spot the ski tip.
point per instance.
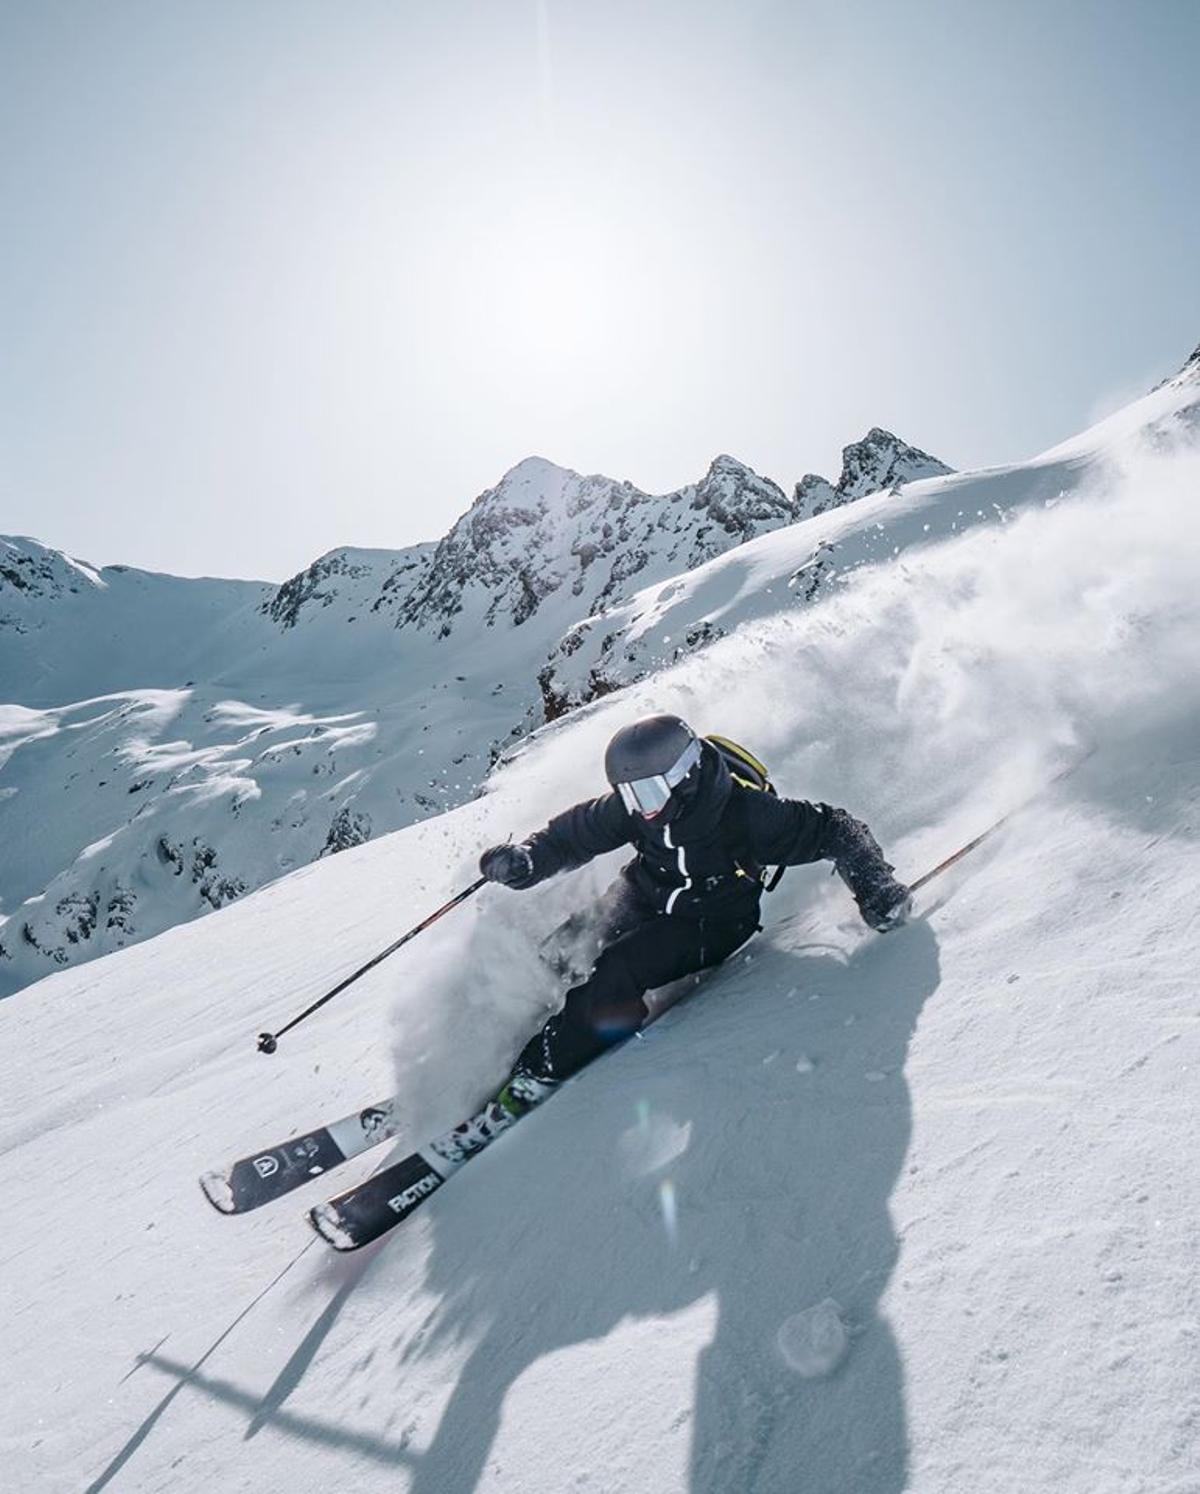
(327, 1222)
(217, 1189)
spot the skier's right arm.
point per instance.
(570, 839)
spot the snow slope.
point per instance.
(975, 1137)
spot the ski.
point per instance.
(371, 1208)
(268, 1174)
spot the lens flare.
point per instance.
(670, 1213)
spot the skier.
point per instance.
(704, 835)
(689, 898)
(687, 901)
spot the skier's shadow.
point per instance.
(727, 1169)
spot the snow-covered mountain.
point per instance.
(170, 744)
(967, 1147)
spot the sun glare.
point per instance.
(542, 288)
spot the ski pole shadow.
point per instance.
(266, 1410)
(753, 1168)
(184, 1375)
(268, 1407)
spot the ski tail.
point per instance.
(275, 1171)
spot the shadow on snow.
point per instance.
(780, 1201)
(779, 1179)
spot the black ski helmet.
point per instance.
(648, 761)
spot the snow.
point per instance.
(693, 1268)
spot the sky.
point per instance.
(283, 276)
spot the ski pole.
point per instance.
(959, 854)
(269, 1041)
(991, 829)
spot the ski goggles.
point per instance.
(649, 796)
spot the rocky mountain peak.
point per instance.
(1188, 374)
(878, 462)
(724, 465)
(545, 532)
(29, 569)
(314, 587)
(881, 460)
(532, 471)
(739, 500)
(814, 494)
(35, 581)
(534, 485)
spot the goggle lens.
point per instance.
(646, 796)
(649, 796)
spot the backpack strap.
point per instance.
(749, 771)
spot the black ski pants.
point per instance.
(642, 949)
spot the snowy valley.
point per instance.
(960, 1156)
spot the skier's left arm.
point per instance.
(793, 832)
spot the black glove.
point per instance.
(510, 865)
(883, 902)
(884, 905)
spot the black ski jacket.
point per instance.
(707, 862)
